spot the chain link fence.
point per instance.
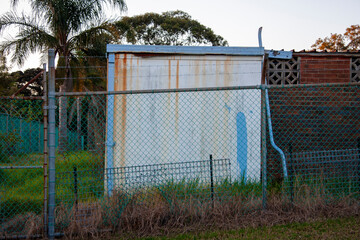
(177, 147)
(21, 166)
(318, 127)
(124, 157)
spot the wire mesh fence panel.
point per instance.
(319, 129)
(134, 148)
(21, 167)
(332, 174)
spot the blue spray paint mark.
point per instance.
(241, 132)
(228, 107)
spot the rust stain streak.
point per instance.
(227, 71)
(116, 82)
(116, 99)
(177, 102)
(218, 69)
(124, 73)
(197, 74)
(137, 74)
(169, 74)
(204, 77)
(177, 73)
(130, 75)
(120, 109)
(123, 131)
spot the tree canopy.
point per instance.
(349, 41)
(11, 82)
(69, 27)
(168, 28)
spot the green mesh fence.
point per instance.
(21, 166)
(319, 129)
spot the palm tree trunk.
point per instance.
(63, 135)
(78, 122)
(66, 87)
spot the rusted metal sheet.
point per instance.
(179, 122)
(134, 72)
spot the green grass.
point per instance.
(196, 189)
(327, 187)
(21, 190)
(22, 185)
(340, 228)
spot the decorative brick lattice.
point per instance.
(355, 69)
(283, 72)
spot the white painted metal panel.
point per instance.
(181, 120)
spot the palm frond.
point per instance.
(29, 40)
(12, 19)
(90, 36)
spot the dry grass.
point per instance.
(23, 224)
(154, 216)
(148, 213)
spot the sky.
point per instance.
(287, 24)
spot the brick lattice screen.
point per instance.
(355, 69)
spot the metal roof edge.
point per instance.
(314, 53)
(281, 54)
(191, 50)
(327, 54)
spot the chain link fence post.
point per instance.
(45, 149)
(51, 215)
(263, 149)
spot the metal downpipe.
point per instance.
(273, 144)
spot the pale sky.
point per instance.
(287, 24)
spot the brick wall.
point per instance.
(324, 69)
(316, 118)
(313, 119)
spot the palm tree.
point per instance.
(68, 26)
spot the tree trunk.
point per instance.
(66, 87)
(78, 122)
(63, 135)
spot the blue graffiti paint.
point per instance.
(228, 107)
(241, 132)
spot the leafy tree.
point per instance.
(10, 83)
(352, 35)
(35, 88)
(168, 28)
(68, 26)
(7, 81)
(349, 41)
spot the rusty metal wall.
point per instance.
(190, 131)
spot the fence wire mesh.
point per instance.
(118, 156)
(158, 145)
(21, 166)
(319, 129)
